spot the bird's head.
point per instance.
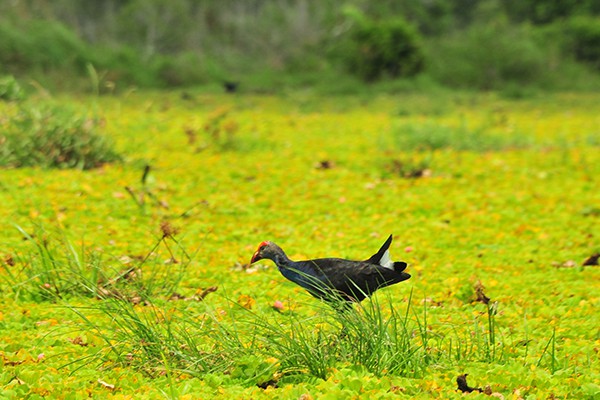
(268, 250)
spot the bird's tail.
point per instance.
(383, 258)
(400, 266)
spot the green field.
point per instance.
(484, 195)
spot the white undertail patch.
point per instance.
(386, 260)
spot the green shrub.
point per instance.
(53, 137)
(38, 49)
(378, 48)
(584, 37)
(489, 57)
(10, 90)
(182, 69)
(40, 44)
(124, 65)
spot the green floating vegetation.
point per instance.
(134, 280)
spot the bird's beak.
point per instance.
(255, 257)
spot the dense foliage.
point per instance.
(390, 47)
(175, 43)
(584, 37)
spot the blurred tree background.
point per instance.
(265, 44)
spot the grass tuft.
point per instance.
(255, 348)
(428, 136)
(53, 137)
(56, 268)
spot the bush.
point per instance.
(183, 69)
(584, 37)
(377, 48)
(53, 137)
(40, 44)
(10, 90)
(40, 48)
(123, 65)
(489, 57)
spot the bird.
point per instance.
(337, 280)
(230, 86)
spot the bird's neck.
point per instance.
(292, 270)
(282, 261)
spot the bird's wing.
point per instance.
(358, 277)
(353, 280)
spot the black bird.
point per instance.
(230, 87)
(332, 279)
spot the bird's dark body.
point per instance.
(331, 278)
